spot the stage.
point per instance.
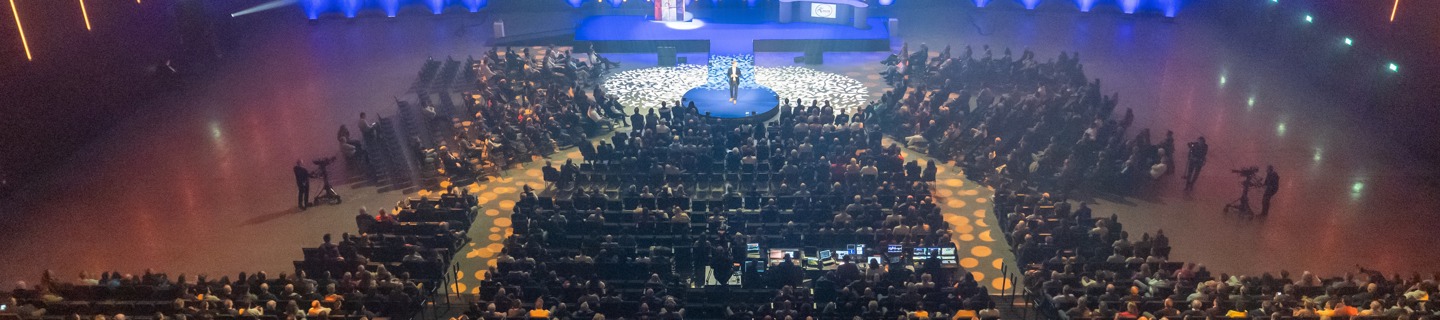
(639, 34)
(757, 103)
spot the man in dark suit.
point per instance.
(1198, 151)
(1272, 185)
(302, 181)
(636, 120)
(734, 77)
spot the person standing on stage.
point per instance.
(1198, 151)
(1272, 185)
(734, 80)
(302, 181)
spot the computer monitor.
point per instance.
(855, 248)
(876, 259)
(947, 251)
(894, 248)
(825, 254)
(777, 255)
(752, 251)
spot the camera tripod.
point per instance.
(1242, 205)
(327, 193)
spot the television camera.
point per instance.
(1248, 180)
(327, 193)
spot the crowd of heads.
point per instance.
(528, 104)
(1033, 129)
(629, 230)
(1087, 267)
(388, 268)
(157, 296)
(1019, 120)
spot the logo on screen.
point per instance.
(822, 10)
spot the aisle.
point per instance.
(980, 243)
(488, 232)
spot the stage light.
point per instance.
(436, 6)
(85, 14)
(1250, 103)
(1394, 9)
(616, 3)
(1172, 7)
(886, 2)
(1280, 129)
(1222, 80)
(1394, 67)
(18, 26)
(981, 3)
(575, 3)
(475, 5)
(1129, 6)
(1031, 4)
(1085, 5)
(268, 6)
(350, 7)
(312, 8)
(684, 25)
(1309, 18)
(1357, 187)
(392, 7)
(1349, 42)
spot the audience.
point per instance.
(655, 221)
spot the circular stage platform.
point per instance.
(755, 103)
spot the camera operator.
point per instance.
(302, 180)
(1198, 151)
(1272, 185)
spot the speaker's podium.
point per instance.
(671, 10)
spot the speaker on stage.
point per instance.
(666, 56)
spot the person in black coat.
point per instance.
(721, 265)
(734, 79)
(787, 273)
(1272, 185)
(636, 120)
(302, 181)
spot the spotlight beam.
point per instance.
(23, 41)
(86, 14)
(262, 7)
(1393, 9)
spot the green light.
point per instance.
(1349, 42)
(1274, 1)
(1309, 18)
(1357, 187)
(1251, 102)
(1222, 80)
(1394, 67)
